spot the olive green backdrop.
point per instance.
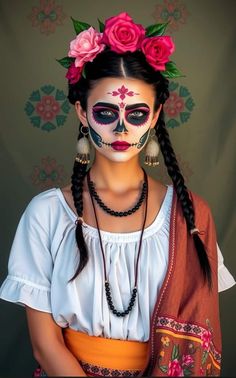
(39, 127)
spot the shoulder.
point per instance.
(42, 204)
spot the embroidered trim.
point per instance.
(190, 331)
(107, 372)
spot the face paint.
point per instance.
(119, 115)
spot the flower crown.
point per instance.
(119, 34)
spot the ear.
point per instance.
(81, 113)
(155, 117)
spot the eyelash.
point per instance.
(105, 113)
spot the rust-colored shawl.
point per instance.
(185, 335)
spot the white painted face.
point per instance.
(119, 116)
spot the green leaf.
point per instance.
(29, 108)
(171, 71)
(204, 357)
(60, 119)
(156, 29)
(80, 26)
(187, 373)
(173, 86)
(189, 104)
(175, 352)
(83, 72)
(172, 123)
(183, 91)
(66, 62)
(65, 107)
(47, 89)
(60, 95)
(184, 116)
(48, 126)
(163, 368)
(36, 121)
(35, 96)
(101, 26)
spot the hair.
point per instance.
(132, 65)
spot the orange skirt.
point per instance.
(100, 356)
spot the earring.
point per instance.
(83, 148)
(151, 151)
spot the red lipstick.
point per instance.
(120, 146)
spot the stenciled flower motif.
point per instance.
(85, 47)
(165, 340)
(206, 340)
(47, 108)
(47, 16)
(175, 369)
(122, 34)
(178, 106)
(187, 360)
(157, 51)
(48, 174)
(172, 11)
(174, 105)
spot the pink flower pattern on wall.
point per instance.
(178, 107)
(174, 11)
(47, 108)
(48, 174)
(47, 16)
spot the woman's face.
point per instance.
(119, 116)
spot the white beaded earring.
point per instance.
(151, 151)
(83, 147)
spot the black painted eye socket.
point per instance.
(137, 117)
(104, 116)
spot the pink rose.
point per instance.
(122, 34)
(73, 73)
(175, 369)
(85, 47)
(187, 359)
(157, 51)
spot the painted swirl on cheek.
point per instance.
(95, 136)
(143, 139)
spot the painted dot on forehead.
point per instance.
(123, 92)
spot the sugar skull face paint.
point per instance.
(119, 116)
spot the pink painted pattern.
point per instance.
(174, 11)
(174, 105)
(123, 92)
(47, 108)
(47, 16)
(48, 174)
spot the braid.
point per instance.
(77, 178)
(182, 192)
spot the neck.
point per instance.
(117, 177)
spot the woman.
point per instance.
(119, 272)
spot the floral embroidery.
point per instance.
(182, 344)
(106, 372)
(173, 11)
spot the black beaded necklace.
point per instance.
(113, 212)
(107, 284)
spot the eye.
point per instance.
(138, 117)
(136, 114)
(104, 116)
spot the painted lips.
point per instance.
(120, 146)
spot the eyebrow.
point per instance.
(116, 107)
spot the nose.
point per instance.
(120, 128)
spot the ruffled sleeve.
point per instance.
(225, 278)
(30, 263)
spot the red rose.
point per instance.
(175, 369)
(157, 51)
(73, 73)
(122, 34)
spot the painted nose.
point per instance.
(120, 128)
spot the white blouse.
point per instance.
(44, 256)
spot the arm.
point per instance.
(48, 346)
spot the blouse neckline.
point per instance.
(127, 236)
